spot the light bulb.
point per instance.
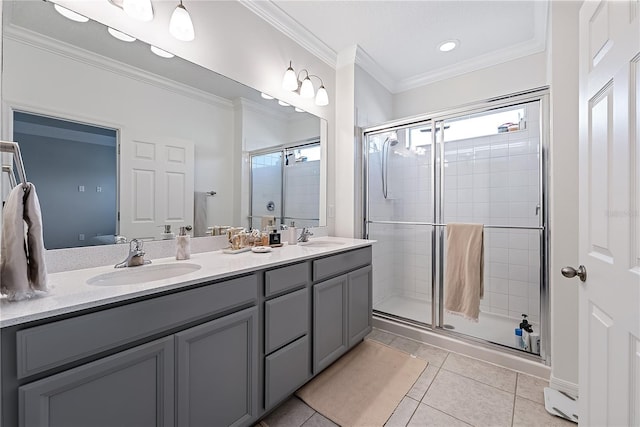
(322, 98)
(306, 89)
(138, 9)
(180, 25)
(120, 35)
(70, 14)
(161, 53)
(290, 81)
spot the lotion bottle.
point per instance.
(293, 235)
(183, 245)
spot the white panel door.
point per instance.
(156, 184)
(609, 361)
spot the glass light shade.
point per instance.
(322, 97)
(120, 35)
(306, 89)
(265, 96)
(180, 25)
(70, 14)
(138, 9)
(161, 53)
(290, 81)
(284, 104)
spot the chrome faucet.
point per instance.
(135, 257)
(304, 235)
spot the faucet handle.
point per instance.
(135, 245)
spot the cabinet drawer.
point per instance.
(340, 263)
(285, 371)
(44, 347)
(286, 318)
(289, 277)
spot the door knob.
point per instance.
(570, 272)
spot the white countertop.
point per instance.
(69, 291)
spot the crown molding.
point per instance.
(484, 61)
(250, 105)
(56, 47)
(284, 23)
(376, 71)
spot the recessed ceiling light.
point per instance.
(265, 96)
(120, 35)
(284, 104)
(448, 45)
(160, 52)
(70, 14)
(299, 110)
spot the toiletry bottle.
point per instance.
(293, 236)
(526, 330)
(518, 337)
(168, 234)
(183, 245)
(534, 337)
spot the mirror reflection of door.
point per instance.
(285, 184)
(74, 169)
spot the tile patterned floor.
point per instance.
(453, 390)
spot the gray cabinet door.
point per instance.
(329, 321)
(360, 308)
(217, 371)
(132, 388)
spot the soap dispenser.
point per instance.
(168, 234)
(526, 328)
(183, 245)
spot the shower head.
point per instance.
(391, 140)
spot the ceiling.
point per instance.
(398, 40)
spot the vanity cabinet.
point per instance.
(131, 388)
(287, 343)
(342, 305)
(217, 378)
(222, 353)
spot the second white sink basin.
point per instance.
(320, 243)
(142, 274)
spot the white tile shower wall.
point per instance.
(302, 197)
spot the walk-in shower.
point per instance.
(482, 164)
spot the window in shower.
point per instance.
(285, 183)
(480, 167)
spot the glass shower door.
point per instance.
(266, 187)
(400, 216)
(491, 176)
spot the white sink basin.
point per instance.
(142, 274)
(320, 243)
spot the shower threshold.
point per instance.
(490, 327)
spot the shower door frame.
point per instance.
(436, 119)
(282, 149)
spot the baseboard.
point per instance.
(570, 388)
(490, 355)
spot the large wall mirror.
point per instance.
(121, 141)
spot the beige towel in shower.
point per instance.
(22, 269)
(464, 275)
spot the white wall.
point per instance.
(563, 218)
(68, 89)
(514, 76)
(374, 103)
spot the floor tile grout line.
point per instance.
(513, 407)
(414, 411)
(452, 416)
(476, 380)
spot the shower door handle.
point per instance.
(571, 272)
